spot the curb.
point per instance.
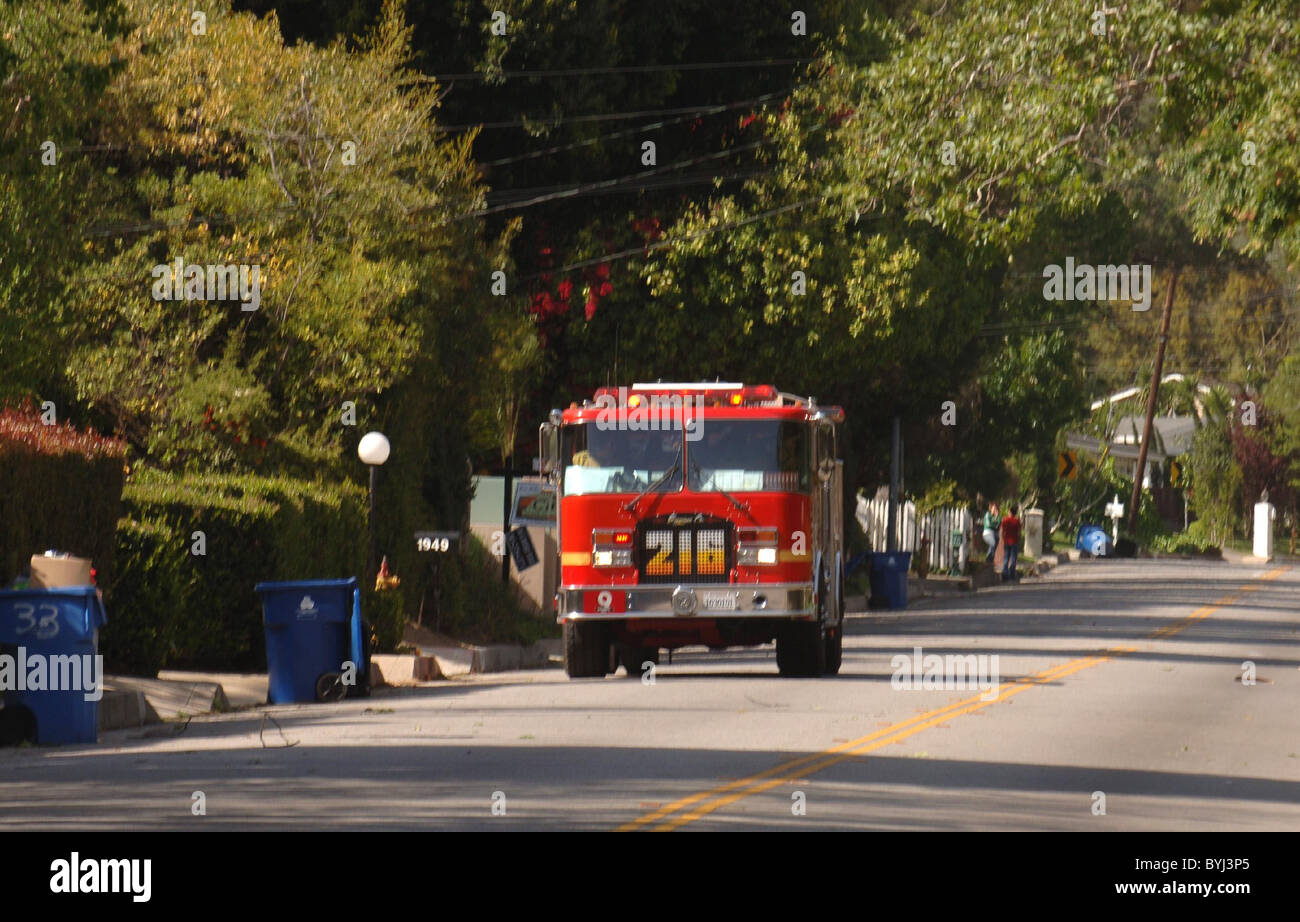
(130, 701)
(939, 587)
(125, 709)
(983, 578)
(1047, 563)
(402, 669)
(475, 660)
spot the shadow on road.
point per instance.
(446, 785)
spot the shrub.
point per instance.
(478, 607)
(1150, 527)
(201, 608)
(59, 488)
(1196, 540)
(1215, 479)
(386, 615)
(146, 600)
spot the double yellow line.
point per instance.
(689, 809)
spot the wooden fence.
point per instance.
(938, 526)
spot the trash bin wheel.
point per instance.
(330, 687)
(17, 725)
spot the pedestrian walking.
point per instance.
(1011, 544)
(991, 523)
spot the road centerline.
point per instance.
(705, 802)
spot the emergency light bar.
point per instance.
(710, 393)
(688, 386)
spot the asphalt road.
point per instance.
(1121, 679)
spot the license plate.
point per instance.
(603, 600)
(718, 601)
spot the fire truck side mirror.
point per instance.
(825, 447)
(548, 446)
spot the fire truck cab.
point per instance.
(696, 514)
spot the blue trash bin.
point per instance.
(1094, 540)
(50, 638)
(889, 579)
(312, 628)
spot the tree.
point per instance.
(54, 60)
(320, 170)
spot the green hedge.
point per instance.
(1196, 540)
(169, 606)
(477, 607)
(146, 601)
(59, 488)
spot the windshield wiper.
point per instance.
(630, 506)
(742, 507)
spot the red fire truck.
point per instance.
(697, 514)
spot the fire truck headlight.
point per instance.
(755, 556)
(603, 558)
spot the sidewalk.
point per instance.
(942, 585)
(447, 657)
(132, 701)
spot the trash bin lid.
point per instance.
(897, 560)
(292, 585)
(43, 614)
(307, 600)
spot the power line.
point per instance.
(624, 254)
(526, 121)
(616, 184)
(661, 244)
(630, 69)
(650, 126)
(649, 184)
(606, 184)
(631, 177)
(1029, 326)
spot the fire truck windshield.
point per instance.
(607, 460)
(749, 455)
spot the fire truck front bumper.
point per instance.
(710, 600)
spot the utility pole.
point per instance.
(1151, 403)
(507, 482)
(895, 486)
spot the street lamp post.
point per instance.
(373, 451)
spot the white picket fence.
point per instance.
(938, 526)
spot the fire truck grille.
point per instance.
(672, 549)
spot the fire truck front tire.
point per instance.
(801, 649)
(586, 650)
(834, 648)
(835, 636)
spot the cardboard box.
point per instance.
(59, 572)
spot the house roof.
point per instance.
(1171, 436)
